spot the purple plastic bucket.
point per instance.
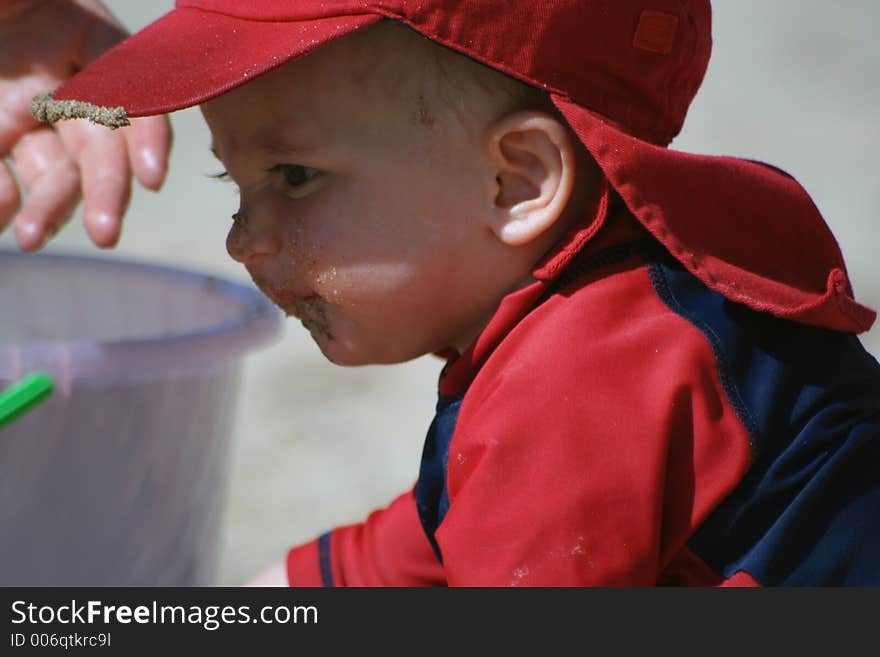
(119, 478)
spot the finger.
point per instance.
(15, 115)
(51, 182)
(10, 199)
(149, 143)
(15, 118)
(102, 158)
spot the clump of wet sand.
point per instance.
(48, 110)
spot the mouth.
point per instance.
(286, 300)
(309, 308)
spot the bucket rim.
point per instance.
(258, 323)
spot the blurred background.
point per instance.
(792, 82)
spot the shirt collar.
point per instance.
(607, 223)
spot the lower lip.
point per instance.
(287, 301)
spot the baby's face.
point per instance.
(361, 213)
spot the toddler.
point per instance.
(653, 375)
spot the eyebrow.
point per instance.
(282, 149)
(272, 149)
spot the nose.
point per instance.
(250, 240)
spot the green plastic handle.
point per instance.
(23, 396)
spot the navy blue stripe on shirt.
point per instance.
(324, 560)
(808, 510)
(432, 498)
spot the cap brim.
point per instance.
(189, 56)
(747, 230)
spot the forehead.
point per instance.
(293, 89)
(342, 82)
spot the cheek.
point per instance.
(362, 243)
(326, 239)
(299, 248)
(363, 288)
(304, 230)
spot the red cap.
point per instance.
(621, 72)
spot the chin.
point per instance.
(338, 354)
(344, 355)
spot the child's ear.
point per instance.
(534, 163)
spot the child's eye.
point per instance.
(295, 175)
(223, 176)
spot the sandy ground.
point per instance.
(792, 82)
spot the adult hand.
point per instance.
(42, 42)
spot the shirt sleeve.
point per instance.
(594, 440)
(389, 549)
